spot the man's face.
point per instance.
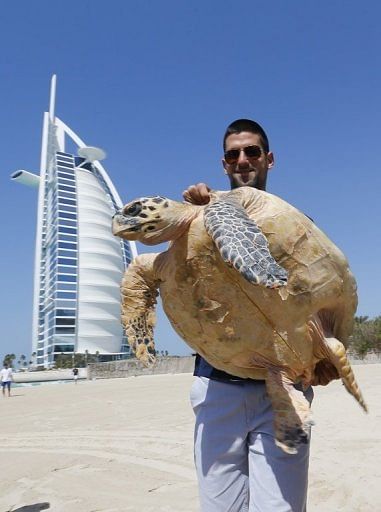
(246, 170)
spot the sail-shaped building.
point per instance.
(78, 262)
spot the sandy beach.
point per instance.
(126, 445)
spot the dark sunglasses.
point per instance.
(232, 155)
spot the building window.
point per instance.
(66, 245)
(67, 208)
(66, 188)
(67, 215)
(66, 166)
(68, 238)
(65, 304)
(63, 229)
(64, 200)
(65, 312)
(67, 330)
(67, 261)
(63, 348)
(66, 180)
(66, 295)
(66, 253)
(65, 321)
(67, 270)
(67, 286)
(65, 172)
(67, 278)
(67, 222)
(68, 195)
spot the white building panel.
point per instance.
(100, 269)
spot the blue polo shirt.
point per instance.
(203, 369)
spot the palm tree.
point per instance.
(361, 319)
(8, 359)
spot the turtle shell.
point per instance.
(236, 325)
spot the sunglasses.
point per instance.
(232, 155)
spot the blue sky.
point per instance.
(155, 84)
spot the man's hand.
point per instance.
(197, 194)
(324, 373)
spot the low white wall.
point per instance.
(133, 367)
(48, 375)
(169, 364)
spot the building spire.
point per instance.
(52, 98)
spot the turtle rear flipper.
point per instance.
(139, 292)
(242, 244)
(292, 413)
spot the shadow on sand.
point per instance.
(32, 508)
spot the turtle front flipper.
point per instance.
(139, 292)
(241, 243)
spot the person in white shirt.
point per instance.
(6, 379)
(75, 375)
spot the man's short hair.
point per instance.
(247, 125)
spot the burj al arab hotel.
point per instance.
(78, 262)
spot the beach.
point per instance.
(118, 445)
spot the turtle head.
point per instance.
(152, 220)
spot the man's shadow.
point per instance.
(32, 508)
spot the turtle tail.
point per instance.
(340, 360)
(330, 350)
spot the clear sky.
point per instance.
(156, 83)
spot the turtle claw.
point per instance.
(145, 354)
(290, 439)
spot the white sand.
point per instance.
(126, 445)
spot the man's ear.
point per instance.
(224, 165)
(270, 159)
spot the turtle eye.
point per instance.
(133, 210)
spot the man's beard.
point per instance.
(246, 179)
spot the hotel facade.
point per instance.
(78, 262)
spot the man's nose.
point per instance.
(242, 159)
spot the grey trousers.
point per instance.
(239, 467)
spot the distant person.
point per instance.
(6, 378)
(75, 375)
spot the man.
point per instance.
(239, 466)
(6, 378)
(75, 375)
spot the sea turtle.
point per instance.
(251, 284)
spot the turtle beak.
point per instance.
(125, 226)
(120, 223)
(117, 222)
